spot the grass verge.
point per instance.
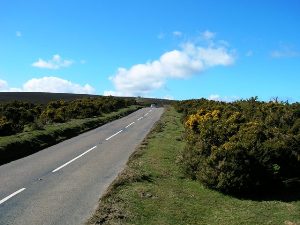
(26, 143)
(153, 190)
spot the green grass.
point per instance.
(17, 146)
(153, 190)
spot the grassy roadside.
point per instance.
(153, 190)
(26, 143)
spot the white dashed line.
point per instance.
(129, 125)
(12, 195)
(57, 169)
(113, 135)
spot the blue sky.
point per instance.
(168, 49)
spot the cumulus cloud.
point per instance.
(50, 84)
(190, 59)
(5, 88)
(57, 85)
(55, 63)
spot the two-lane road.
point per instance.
(62, 184)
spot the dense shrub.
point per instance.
(17, 116)
(6, 127)
(241, 147)
(23, 144)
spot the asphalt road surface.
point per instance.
(63, 183)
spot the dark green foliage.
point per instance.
(16, 116)
(61, 111)
(6, 127)
(242, 147)
(24, 127)
(16, 146)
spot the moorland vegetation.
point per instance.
(19, 116)
(244, 147)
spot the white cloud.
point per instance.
(111, 93)
(55, 63)
(177, 33)
(57, 85)
(49, 84)
(142, 79)
(168, 97)
(3, 85)
(208, 35)
(18, 34)
(5, 88)
(216, 97)
(14, 90)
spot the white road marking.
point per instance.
(57, 169)
(146, 114)
(113, 135)
(140, 118)
(150, 110)
(129, 125)
(12, 195)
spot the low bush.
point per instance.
(17, 146)
(16, 116)
(242, 147)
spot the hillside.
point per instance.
(44, 97)
(39, 97)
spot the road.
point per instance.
(63, 183)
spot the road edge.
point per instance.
(126, 175)
(19, 148)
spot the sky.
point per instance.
(173, 49)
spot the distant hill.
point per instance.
(39, 97)
(44, 97)
(158, 102)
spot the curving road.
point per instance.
(62, 184)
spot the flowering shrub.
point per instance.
(242, 147)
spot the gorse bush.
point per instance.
(17, 116)
(38, 136)
(61, 111)
(242, 147)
